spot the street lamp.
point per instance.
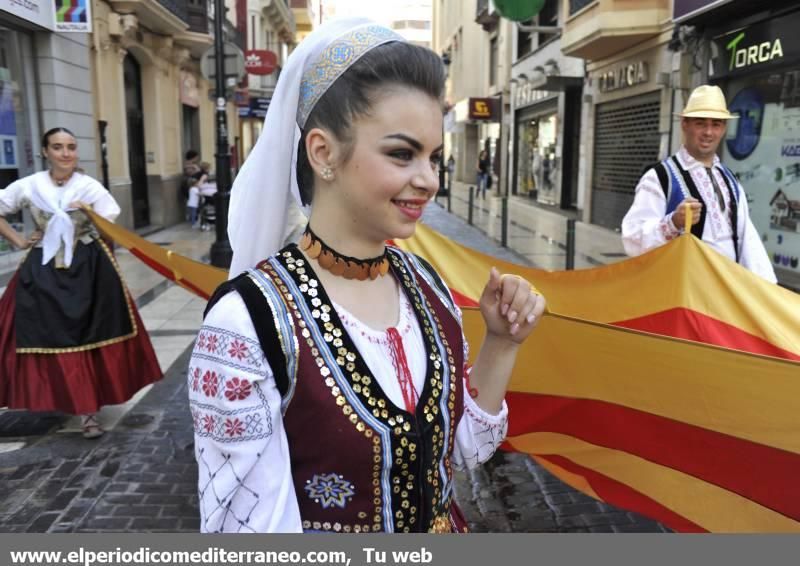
(442, 185)
(221, 252)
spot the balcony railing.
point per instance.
(198, 16)
(193, 12)
(578, 5)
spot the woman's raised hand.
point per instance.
(510, 306)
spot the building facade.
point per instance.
(546, 98)
(477, 44)
(154, 101)
(269, 26)
(45, 81)
(412, 20)
(627, 98)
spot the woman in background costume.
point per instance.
(71, 339)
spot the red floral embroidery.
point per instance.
(234, 427)
(201, 341)
(196, 379)
(210, 383)
(211, 346)
(209, 423)
(238, 350)
(237, 389)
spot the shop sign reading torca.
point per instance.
(763, 52)
(759, 47)
(623, 77)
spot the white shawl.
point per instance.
(47, 197)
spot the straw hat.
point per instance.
(706, 101)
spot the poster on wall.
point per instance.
(72, 16)
(763, 149)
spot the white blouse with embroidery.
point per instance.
(647, 225)
(245, 479)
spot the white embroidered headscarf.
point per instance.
(260, 197)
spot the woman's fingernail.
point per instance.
(504, 309)
(514, 328)
(531, 318)
(512, 316)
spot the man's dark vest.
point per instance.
(359, 463)
(672, 176)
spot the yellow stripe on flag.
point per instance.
(682, 274)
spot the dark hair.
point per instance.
(50, 132)
(191, 154)
(354, 93)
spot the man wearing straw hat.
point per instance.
(695, 179)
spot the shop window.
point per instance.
(17, 146)
(763, 150)
(537, 163)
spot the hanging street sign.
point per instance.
(260, 61)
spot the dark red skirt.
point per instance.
(75, 382)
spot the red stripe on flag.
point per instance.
(757, 472)
(152, 264)
(463, 300)
(194, 289)
(621, 495)
(168, 273)
(691, 325)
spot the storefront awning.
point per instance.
(684, 10)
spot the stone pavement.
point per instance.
(141, 475)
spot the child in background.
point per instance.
(203, 185)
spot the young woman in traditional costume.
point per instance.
(71, 339)
(328, 385)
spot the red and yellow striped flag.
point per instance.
(194, 276)
(667, 384)
(700, 436)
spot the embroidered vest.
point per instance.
(672, 176)
(359, 463)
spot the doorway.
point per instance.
(136, 149)
(191, 129)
